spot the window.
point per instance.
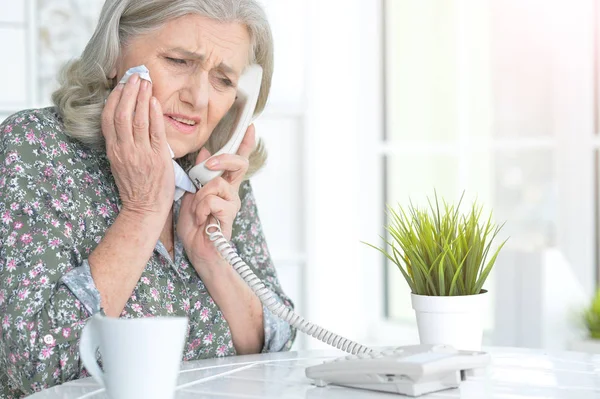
(481, 100)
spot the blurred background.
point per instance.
(378, 101)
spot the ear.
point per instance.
(113, 72)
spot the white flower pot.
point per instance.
(450, 320)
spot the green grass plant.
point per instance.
(438, 250)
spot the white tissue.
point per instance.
(182, 181)
(141, 70)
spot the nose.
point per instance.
(196, 90)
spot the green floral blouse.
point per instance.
(57, 198)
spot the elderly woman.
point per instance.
(89, 221)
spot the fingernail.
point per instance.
(135, 78)
(145, 85)
(212, 162)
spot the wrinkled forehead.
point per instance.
(202, 38)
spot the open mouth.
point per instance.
(188, 122)
(183, 125)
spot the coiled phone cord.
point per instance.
(267, 298)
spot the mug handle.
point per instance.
(88, 344)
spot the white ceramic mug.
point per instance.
(140, 357)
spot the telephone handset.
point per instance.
(248, 89)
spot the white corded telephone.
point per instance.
(412, 370)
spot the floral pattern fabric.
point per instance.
(57, 198)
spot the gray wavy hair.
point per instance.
(84, 82)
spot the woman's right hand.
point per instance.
(136, 146)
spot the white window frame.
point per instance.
(343, 106)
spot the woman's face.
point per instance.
(195, 63)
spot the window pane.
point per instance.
(64, 29)
(524, 77)
(14, 93)
(421, 61)
(417, 175)
(525, 196)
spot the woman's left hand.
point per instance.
(219, 199)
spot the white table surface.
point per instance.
(514, 373)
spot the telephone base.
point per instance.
(412, 370)
(408, 388)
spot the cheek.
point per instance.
(218, 108)
(164, 86)
(162, 91)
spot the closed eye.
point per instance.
(227, 82)
(177, 61)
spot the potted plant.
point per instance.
(591, 321)
(445, 258)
